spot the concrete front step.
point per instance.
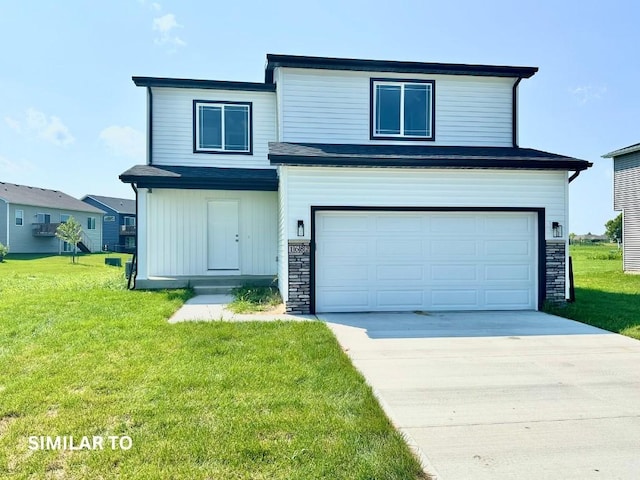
(213, 289)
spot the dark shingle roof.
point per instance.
(417, 156)
(356, 64)
(120, 205)
(42, 197)
(167, 176)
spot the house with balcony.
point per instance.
(30, 216)
(118, 223)
(361, 185)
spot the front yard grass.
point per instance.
(80, 355)
(605, 296)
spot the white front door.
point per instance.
(223, 235)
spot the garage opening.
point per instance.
(380, 260)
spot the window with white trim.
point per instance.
(19, 218)
(64, 217)
(43, 218)
(222, 127)
(402, 110)
(91, 223)
(130, 221)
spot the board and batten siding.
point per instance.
(333, 107)
(175, 231)
(626, 198)
(172, 142)
(323, 186)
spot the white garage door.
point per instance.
(403, 261)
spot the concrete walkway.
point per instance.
(213, 307)
(503, 395)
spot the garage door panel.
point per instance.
(455, 273)
(399, 299)
(508, 273)
(508, 247)
(425, 261)
(390, 247)
(406, 273)
(454, 299)
(450, 247)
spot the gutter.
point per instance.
(514, 113)
(574, 176)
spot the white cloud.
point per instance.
(165, 25)
(586, 93)
(10, 166)
(49, 128)
(124, 141)
(13, 124)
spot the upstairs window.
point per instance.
(91, 223)
(19, 218)
(64, 217)
(222, 127)
(43, 218)
(402, 110)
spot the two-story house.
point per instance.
(118, 223)
(30, 216)
(626, 199)
(364, 185)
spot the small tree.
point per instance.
(614, 228)
(3, 252)
(70, 232)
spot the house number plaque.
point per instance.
(299, 249)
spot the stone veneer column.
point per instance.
(299, 277)
(556, 271)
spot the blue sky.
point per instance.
(72, 120)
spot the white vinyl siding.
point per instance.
(283, 236)
(390, 187)
(175, 231)
(173, 127)
(626, 189)
(333, 107)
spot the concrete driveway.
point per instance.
(503, 395)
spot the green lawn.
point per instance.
(605, 296)
(80, 355)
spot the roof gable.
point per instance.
(623, 151)
(118, 205)
(42, 197)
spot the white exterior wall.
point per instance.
(390, 187)
(175, 231)
(283, 235)
(333, 107)
(172, 142)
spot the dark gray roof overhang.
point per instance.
(414, 156)
(204, 84)
(354, 64)
(201, 178)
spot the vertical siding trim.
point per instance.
(9, 224)
(514, 113)
(141, 245)
(150, 126)
(283, 234)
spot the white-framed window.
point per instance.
(222, 127)
(130, 242)
(130, 221)
(64, 217)
(67, 247)
(19, 218)
(91, 223)
(402, 109)
(109, 218)
(43, 218)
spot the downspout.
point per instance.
(514, 113)
(9, 224)
(150, 129)
(574, 176)
(131, 283)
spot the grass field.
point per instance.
(605, 296)
(82, 356)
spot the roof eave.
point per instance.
(203, 84)
(623, 151)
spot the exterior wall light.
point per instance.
(301, 228)
(557, 229)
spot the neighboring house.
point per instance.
(590, 238)
(363, 185)
(29, 217)
(626, 199)
(118, 223)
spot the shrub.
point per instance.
(3, 252)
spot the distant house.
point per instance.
(119, 222)
(29, 217)
(626, 198)
(590, 238)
